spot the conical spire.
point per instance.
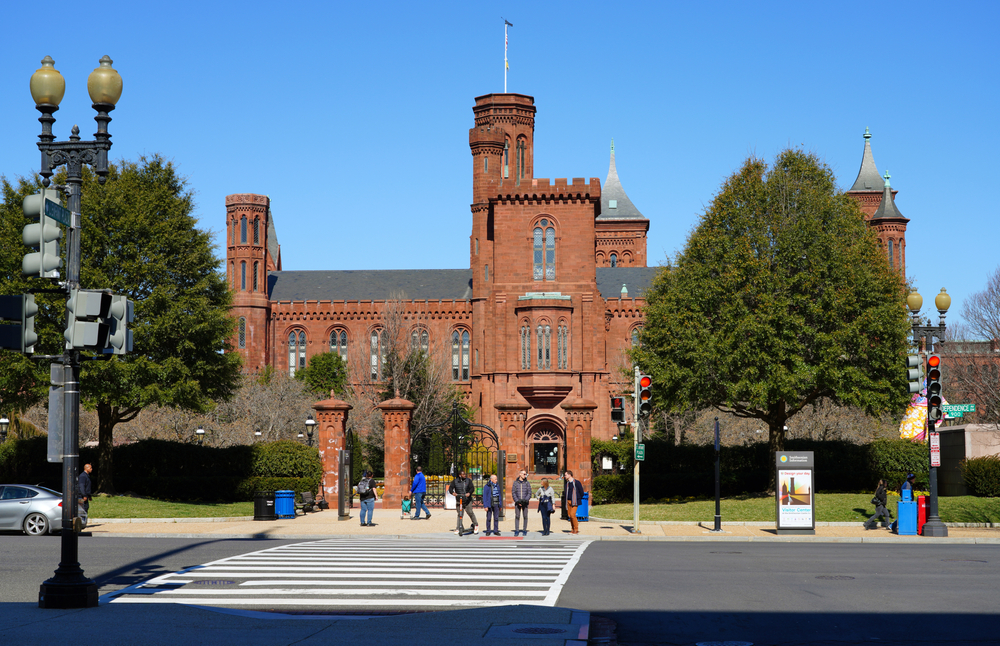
(868, 177)
(615, 204)
(887, 209)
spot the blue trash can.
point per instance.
(906, 518)
(284, 503)
(583, 511)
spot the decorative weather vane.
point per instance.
(506, 65)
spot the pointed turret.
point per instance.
(890, 227)
(620, 229)
(615, 204)
(887, 209)
(868, 177)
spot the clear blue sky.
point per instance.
(354, 117)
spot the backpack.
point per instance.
(363, 486)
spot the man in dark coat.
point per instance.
(463, 488)
(85, 493)
(520, 491)
(574, 496)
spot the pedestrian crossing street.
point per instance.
(360, 574)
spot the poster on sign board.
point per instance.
(795, 497)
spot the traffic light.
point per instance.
(43, 235)
(644, 397)
(934, 401)
(120, 314)
(87, 327)
(915, 373)
(20, 310)
(617, 409)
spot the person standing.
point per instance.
(463, 489)
(419, 490)
(911, 479)
(85, 488)
(880, 507)
(368, 496)
(574, 495)
(520, 491)
(492, 499)
(545, 496)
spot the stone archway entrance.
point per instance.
(546, 450)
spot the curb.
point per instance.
(769, 523)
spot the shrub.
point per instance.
(982, 475)
(893, 459)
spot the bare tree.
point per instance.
(971, 366)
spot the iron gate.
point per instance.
(456, 444)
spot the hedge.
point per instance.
(982, 475)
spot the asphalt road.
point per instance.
(791, 593)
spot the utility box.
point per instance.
(921, 513)
(906, 518)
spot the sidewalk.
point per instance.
(324, 524)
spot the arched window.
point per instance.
(544, 252)
(486, 164)
(243, 275)
(256, 270)
(563, 344)
(243, 333)
(506, 159)
(460, 355)
(544, 346)
(525, 346)
(635, 336)
(419, 340)
(891, 264)
(520, 158)
(614, 260)
(486, 273)
(243, 229)
(256, 230)
(377, 355)
(338, 343)
(296, 351)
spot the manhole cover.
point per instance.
(213, 582)
(538, 630)
(835, 577)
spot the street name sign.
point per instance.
(959, 408)
(640, 452)
(57, 212)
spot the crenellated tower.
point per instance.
(620, 229)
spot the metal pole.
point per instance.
(635, 446)
(718, 506)
(343, 484)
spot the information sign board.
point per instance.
(794, 498)
(640, 452)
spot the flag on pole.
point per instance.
(506, 64)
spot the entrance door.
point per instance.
(547, 450)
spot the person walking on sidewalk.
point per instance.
(419, 490)
(574, 495)
(492, 499)
(545, 496)
(368, 496)
(880, 507)
(520, 491)
(463, 489)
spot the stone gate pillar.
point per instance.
(579, 417)
(331, 425)
(396, 414)
(512, 415)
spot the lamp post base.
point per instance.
(935, 528)
(64, 596)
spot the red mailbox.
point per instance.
(921, 513)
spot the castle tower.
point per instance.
(620, 229)
(251, 251)
(867, 188)
(890, 226)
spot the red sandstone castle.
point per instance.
(537, 326)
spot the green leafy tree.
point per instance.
(781, 297)
(141, 239)
(325, 373)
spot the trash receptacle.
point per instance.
(284, 503)
(906, 516)
(921, 513)
(583, 511)
(263, 505)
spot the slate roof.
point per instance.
(868, 177)
(636, 279)
(612, 190)
(366, 285)
(887, 209)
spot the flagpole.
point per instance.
(506, 65)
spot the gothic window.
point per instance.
(377, 356)
(525, 347)
(256, 270)
(460, 355)
(506, 159)
(563, 344)
(544, 252)
(487, 273)
(486, 164)
(338, 343)
(544, 346)
(256, 230)
(243, 230)
(419, 340)
(243, 275)
(614, 260)
(635, 336)
(520, 158)
(296, 352)
(243, 333)
(891, 264)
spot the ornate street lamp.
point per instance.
(4, 423)
(200, 434)
(69, 588)
(310, 428)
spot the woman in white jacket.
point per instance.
(545, 495)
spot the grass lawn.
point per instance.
(830, 507)
(123, 507)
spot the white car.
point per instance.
(34, 510)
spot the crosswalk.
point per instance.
(366, 574)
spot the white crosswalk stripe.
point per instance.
(365, 573)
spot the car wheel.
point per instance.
(36, 524)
